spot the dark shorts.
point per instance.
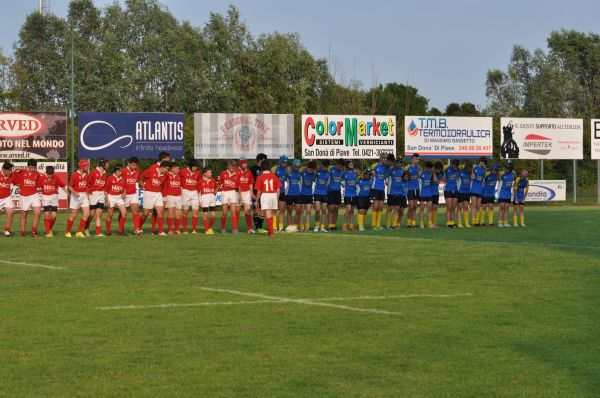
(476, 195)
(50, 209)
(487, 200)
(99, 206)
(363, 202)
(403, 201)
(413, 194)
(464, 197)
(292, 200)
(352, 201)
(207, 209)
(501, 200)
(334, 198)
(306, 199)
(320, 198)
(435, 199)
(393, 200)
(282, 197)
(519, 203)
(450, 194)
(424, 199)
(378, 194)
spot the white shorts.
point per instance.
(208, 200)
(6, 203)
(78, 201)
(268, 201)
(50, 200)
(246, 198)
(27, 203)
(96, 197)
(229, 198)
(174, 201)
(190, 199)
(115, 201)
(132, 198)
(152, 200)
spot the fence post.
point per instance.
(574, 181)
(598, 181)
(542, 170)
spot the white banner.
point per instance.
(60, 171)
(547, 190)
(347, 136)
(528, 138)
(595, 142)
(235, 136)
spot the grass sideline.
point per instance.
(486, 311)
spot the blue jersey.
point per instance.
(413, 182)
(521, 184)
(294, 183)
(321, 183)
(404, 188)
(335, 180)
(364, 187)
(396, 180)
(350, 184)
(465, 181)
(451, 177)
(489, 185)
(426, 178)
(506, 183)
(435, 185)
(307, 182)
(380, 173)
(281, 174)
(478, 174)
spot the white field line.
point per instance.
(29, 264)
(397, 296)
(175, 305)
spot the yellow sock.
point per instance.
(280, 224)
(414, 223)
(466, 217)
(475, 219)
(434, 218)
(523, 219)
(490, 216)
(451, 222)
(515, 219)
(373, 219)
(361, 220)
(428, 222)
(379, 214)
(396, 220)
(274, 219)
(388, 220)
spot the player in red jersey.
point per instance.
(6, 202)
(29, 198)
(50, 184)
(267, 194)
(172, 192)
(152, 182)
(162, 157)
(79, 199)
(207, 189)
(97, 195)
(115, 197)
(246, 193)
(131, 176)
(229, 185)
(189, 195)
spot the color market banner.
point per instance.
(236, 136)
(536, 138)
(121, 135)
(347, 136)
(448, 136)
(595, 142)
(41, 135)
(547, 191)
(60, 171)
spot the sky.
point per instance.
(443, 48)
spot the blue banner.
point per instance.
(122, 135)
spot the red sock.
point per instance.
(122, 224)
(194, 223)
(177, 220)
(47, 227)
(108, 226)
(212, 221)
(7, 229)
(69, 225)
(184, 221)
(170, 224)
(223, 219)
(52, 222)
(82, 225)
(270, 226)
(141, 221)
(136, 221)
(98, 230)
(153, 223)
(161, 224)
(234, 220)
(88, 222)
(33, 230)
(205, 222)
(249, 221)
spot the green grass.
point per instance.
(529, 328)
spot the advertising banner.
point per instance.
(547, 190)
(339, 136)
(595, 142)
(448, 137)
(40, 135)
(122, 135)
(528, 138)
(60, 171)
(237, 135)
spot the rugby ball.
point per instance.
(291, 229)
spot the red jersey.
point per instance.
(207, 186)
(229, 181)
(130, 179)
(96, 180)
(189, 179)
(115, 185)
(246, 179)
(78, 181)
(5, 183)
(267, 182)
(154, 180)
(27, 182)
(172, 186)
(50, 184)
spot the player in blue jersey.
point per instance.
(479, 172)
(506, 180)
(280, 172)
(350, 192)
(413, 190)
(334, 192)
(451, 192)
(363, 201)
(393, 215)
(321, 196)
(425, 194)
(292, 196)
(520, 190)
(435, 192)
(380, 174)
(308, 176)
(489, 193)
(465, 177)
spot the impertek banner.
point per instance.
(60, 171)
(235, 136)
(357, 137)
(122, 135)
(33, 135)
(595, 142)
(448, 137)
(527, 138)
